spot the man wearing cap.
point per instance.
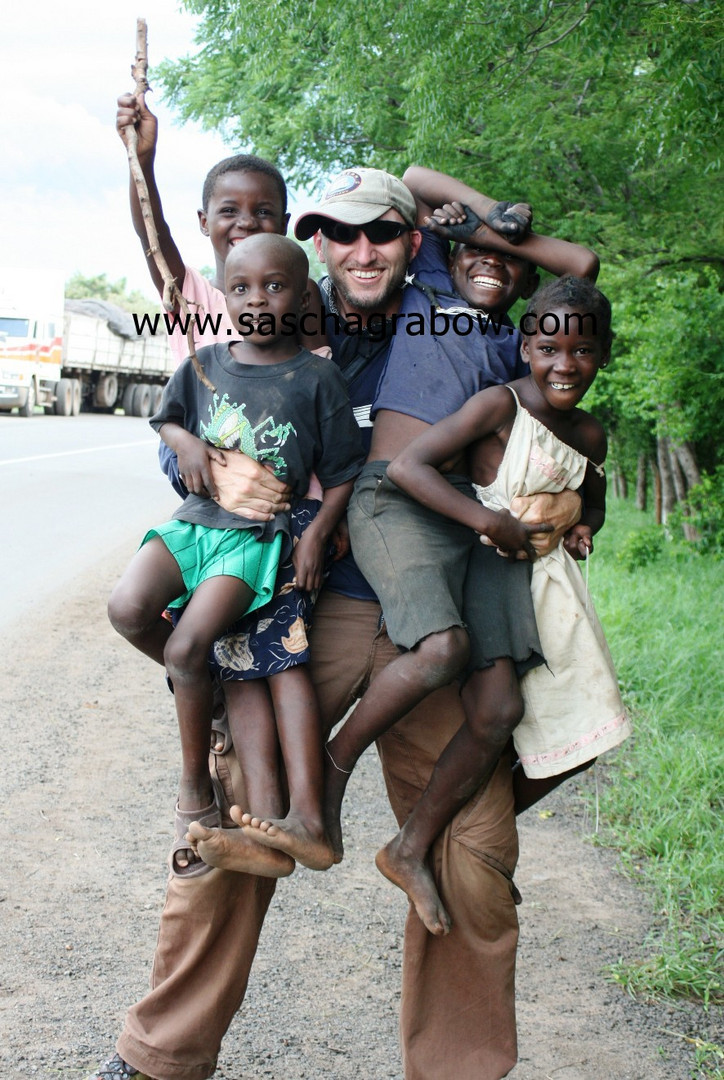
(457, 1007)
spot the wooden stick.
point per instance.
(172, 296)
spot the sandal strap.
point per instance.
(117, 1069)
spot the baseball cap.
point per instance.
(357, 196)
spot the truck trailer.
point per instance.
(74, 355)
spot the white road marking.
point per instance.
(85, 450)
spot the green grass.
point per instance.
(662, 805)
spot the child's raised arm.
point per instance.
(416, 469)
(133, 112)
(433, 190)
(430, 189)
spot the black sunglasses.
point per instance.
(377, 232)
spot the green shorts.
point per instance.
(203, 553)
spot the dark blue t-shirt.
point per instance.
(361, 356)
(442, 352)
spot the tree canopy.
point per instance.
(99, 287)
(604, 114)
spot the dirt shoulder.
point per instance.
(88, 766)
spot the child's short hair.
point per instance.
(579, 294)
(243, 163)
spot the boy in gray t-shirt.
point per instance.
(289, 409)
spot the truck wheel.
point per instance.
(76, 390)
(156, 395)
(142, 401)
(64, 397)
(127, 399)
(29, 407)
(106, 392)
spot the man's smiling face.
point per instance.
(368, 277)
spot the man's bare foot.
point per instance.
(335, 784)
(411, 875)
(293, 836)
(231, 849)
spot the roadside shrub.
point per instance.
(704, 512)
(641, 548)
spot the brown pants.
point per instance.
(457, 1012)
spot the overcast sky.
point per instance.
(65, 172)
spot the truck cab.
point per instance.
(31, 338)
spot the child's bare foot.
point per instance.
(293, 836)
(335, 784)
(231, 849)
(411, 875)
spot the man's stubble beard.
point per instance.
(369, 304)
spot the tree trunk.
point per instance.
(677, 475)
(679, 481)
(657, 490)
(686, 457)
(618, 485)
(641, 468)
(668, 496)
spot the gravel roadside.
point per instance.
(88, 770)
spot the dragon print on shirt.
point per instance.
(230, 430)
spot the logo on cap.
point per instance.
(343, 184)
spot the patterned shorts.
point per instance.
(274, 637)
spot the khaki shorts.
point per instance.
(430, 574)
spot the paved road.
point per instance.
(72, 490)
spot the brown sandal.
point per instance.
(210, 818)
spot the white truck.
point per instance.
(73, 355)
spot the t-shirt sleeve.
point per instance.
(207, 308)
(168, 461)
(342, 454)
(171, 410)
(174, 407)
(184, 394)
(432, 263)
